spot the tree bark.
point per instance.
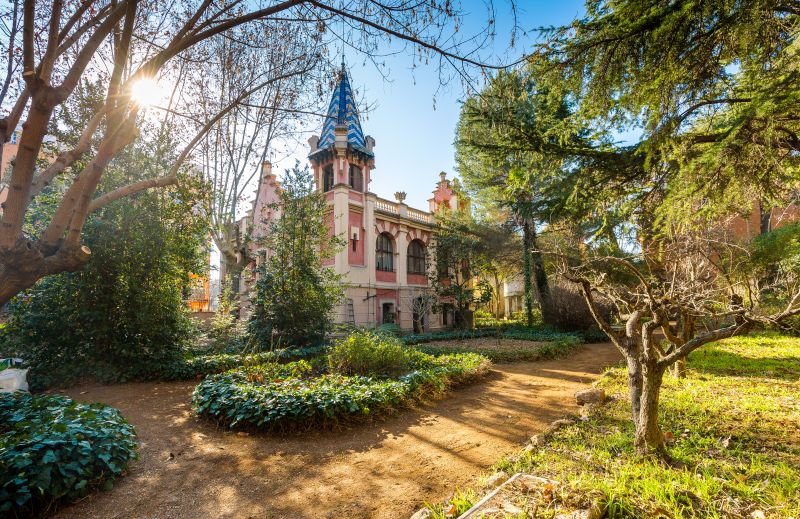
(526, 272)
(649, 439)
(23, 264)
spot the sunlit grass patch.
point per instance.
(735, 419)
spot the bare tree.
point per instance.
(419, 302)
(692, 290)
(124, 42)
(231, 154)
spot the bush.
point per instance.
(123, 314)
(54, 448)
(202, 365)
(242, 398)
(367, 353)
(390, 329)
(566, 309)
(546, 350)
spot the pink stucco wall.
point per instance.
(386, 277)
(355, 257)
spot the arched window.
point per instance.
(356, 178)
(327, 178)
(416, 258)
(384, 253)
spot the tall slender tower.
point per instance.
(342, 158)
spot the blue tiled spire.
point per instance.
(342, 110)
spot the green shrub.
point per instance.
(202, 365)
(537, 334)
(390, 329)
(243, 398)
(368, 353)
(54, 448)
(545, 350)
(123, 314)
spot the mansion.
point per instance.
(385, 264)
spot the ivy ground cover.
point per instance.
(53, 448)
(302, 394)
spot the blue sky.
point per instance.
(414, 140)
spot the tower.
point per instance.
(342, 155)
(342, 159)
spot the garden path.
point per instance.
(384, 469)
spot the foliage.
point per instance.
(457, 251)
(227, 330)
(390, 329)
(568, 309)
(735, 450)
(295, 294)
(123, 314)
(551, 349)
(713, 85)
(541, 334)
(53, 448)
(367, 353)
(237, 398)
(201, 365)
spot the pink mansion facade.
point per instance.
(386, 262)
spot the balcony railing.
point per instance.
(419, 216)
(387, 206)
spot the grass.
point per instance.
(736, 453)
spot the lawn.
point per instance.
(734, 425)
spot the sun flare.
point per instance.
(147, 92)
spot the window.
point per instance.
(416, 258)
(327, 178)
(356, 178)
(384, 257)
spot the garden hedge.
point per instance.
(53, 448)
(268, 397)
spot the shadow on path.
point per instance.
(384, 469)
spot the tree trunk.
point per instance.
(678, 369)
(635, 386)
(535, 261)
(649, 438)
(23, 264)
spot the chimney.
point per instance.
(313, 143)
(442, 177)
(266, 169)
(370, 142)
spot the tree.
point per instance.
(419, 302)
(498, 258)
(125, 43)
(519, 149)
(295, 294)
(714, 87)
(706, 287)
(457, 250)
(234, 150)
(124, 314)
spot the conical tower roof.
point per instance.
(342, 111)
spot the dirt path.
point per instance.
(385, 469)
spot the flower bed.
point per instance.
(54, 448)
(272, 397)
